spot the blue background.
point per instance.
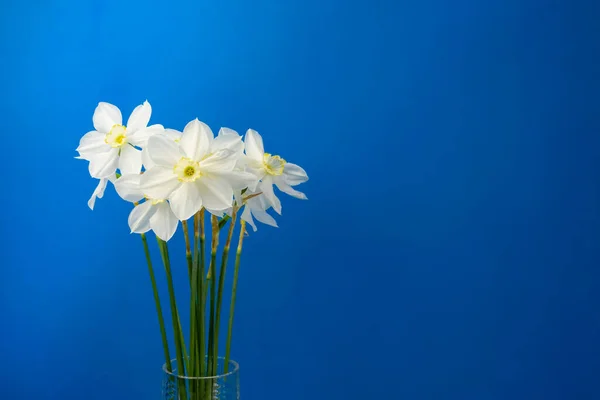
(449, 249)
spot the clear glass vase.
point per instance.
(222, 386)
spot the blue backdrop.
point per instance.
(449, 249)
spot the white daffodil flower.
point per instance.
(113, 145)
(190, 175)
(272, 170)
(153, 214)
(257, 206)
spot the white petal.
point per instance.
(196, 139)
(173, 134)
(294, 174)
(228, 139)
(254, 146)
(92, 143)
(262, 216)
(266, 187)
(240, 180)
(163, 151)
(186, 201)
(159, 182)
(216, 193)
(105, 164)
(128, 187)
(130, 160)
(98, 193)
(140, 117)
(219, 162)
(262, 202)
(105, 116)
(146, 160)
(237, 197)
(285, 188)
(139, 218)
(247, 216)
(140, 137)
(163, 222)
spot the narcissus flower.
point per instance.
(153, 214)
(271, 170)
(113, 145)
(193, 173)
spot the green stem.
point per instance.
(161, 320)
(201, 289)
(223, 221)
(188, 253)
(233, 293)
(177, 335)
(222, 279)
(213, 274)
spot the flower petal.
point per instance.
(264, 217)
(159, 182)
(186, 201)
(139, 218)
(266, 187)
(92, 143)
(216, 193)
(237, 197)
(285, 188)
(240, 180)
(105, 164)
(105, 116)
(163, 222)
(219, 162)
(228, 139)
(140, 117)
(196, 139)
(254, 146)
(98, 193)
(294, 174)
(128, 187)
(247, 216)
(140, 137)
(163, 151)
(130, 160)
(146, 160)
(173, 134)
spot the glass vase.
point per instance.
(222, 386)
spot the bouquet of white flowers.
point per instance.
(173, 176)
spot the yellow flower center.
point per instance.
(273, 164)
(187, 170)
(116, 137)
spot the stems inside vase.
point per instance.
(224, 257)
(177, 335)
(212, 277)
(161, 321)
(233, 294)
(201, 361)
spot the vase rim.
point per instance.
(235, 369)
